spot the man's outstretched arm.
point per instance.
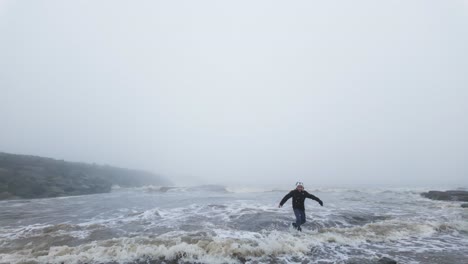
(313, 197)
(285, 198)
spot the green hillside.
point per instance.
(23, 176)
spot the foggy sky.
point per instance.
(241, 92)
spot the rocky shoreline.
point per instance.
(451, 195)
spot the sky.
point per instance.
(241, 92)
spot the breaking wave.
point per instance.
(184, 226)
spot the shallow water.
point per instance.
(208, 225)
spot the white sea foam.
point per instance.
(216, 227)
(228, 246)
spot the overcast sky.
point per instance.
(241, 92)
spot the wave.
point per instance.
(165, 189)
(69, 243)
(225, 228)
(257, 189)
(220, 247)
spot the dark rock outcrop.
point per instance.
(383, 260)
(386, 260)
(456, 195)
(23, 176)
(465, 205)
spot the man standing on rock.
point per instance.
(299, 195)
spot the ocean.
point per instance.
(213, 224)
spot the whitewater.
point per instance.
(213, 224)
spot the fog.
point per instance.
(242, 92)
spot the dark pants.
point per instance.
(300, 217)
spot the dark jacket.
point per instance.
(299, 198)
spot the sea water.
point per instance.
(212, 224)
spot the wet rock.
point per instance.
(454, 195)
(386, 260)
(165, 189)
(465, 205)
(383, 260)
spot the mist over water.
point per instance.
(264, 92)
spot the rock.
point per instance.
(165, 189)
(386, 260)
(455, 195)
(383, 260)
(465, 205)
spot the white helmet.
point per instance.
(299, 184)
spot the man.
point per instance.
(299, 196)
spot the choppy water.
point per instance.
(212, 226)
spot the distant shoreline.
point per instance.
(30, 177)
